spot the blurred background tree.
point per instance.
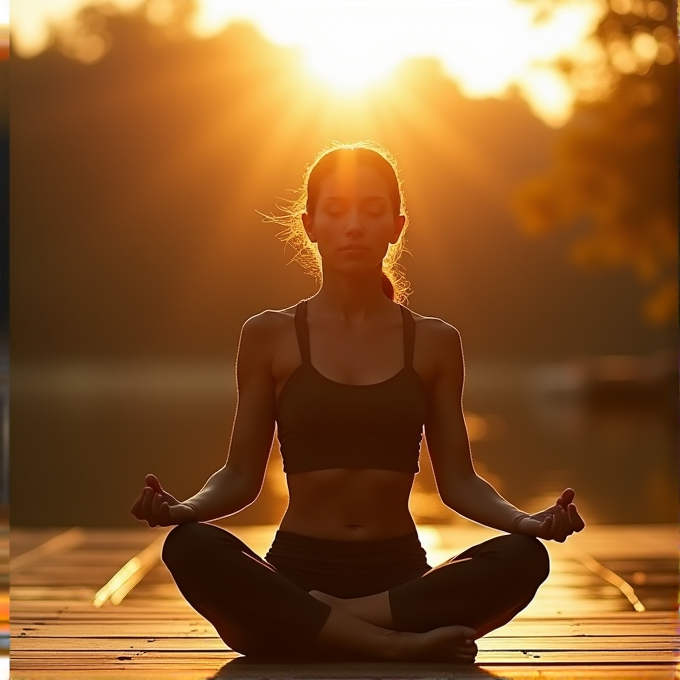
(615, 172)
(614, 178)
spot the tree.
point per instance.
(615, 173)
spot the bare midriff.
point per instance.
(349, 504)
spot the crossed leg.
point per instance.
(260, 612)
(483, 587)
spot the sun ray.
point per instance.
(427, 124)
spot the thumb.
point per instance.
(469, 632)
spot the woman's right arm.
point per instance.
(239, 482)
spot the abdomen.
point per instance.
(349, 504)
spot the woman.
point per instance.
(350, 378)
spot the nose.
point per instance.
(354, 221)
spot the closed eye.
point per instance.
(374, 206)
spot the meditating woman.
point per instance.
(350, 378)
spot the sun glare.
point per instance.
(486, 46)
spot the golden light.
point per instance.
(346, 45)
(486, 46)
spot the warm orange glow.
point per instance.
(351, 46)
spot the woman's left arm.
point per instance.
(460, 487)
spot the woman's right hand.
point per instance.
(159, 508)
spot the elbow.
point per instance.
(458, 490)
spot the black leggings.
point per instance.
(262, 607)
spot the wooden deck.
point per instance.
(608, 610)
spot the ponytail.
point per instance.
(386, 286)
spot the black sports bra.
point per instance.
(324, 424)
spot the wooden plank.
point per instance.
(142, 629)
(184, 618)
(21, 541)
(150, 625)
(62, 541)
(173, 645)
(140, 660)
(349, 671)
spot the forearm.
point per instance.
(477, 500)
(222, 495)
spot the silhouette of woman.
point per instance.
(350, 378)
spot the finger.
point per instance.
(556, 533)
(146, 503)
(156, 505)
(152, 481)
(147, 508)
(137, 505)
(563, 527)
(566, 498)
(576, 520)
(166, 514)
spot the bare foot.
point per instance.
(441, 644)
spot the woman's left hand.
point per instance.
(555, 523)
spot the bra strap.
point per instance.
(409, 336)
(301, 330)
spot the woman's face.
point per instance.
(353, 222)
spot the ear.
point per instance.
(308, 225)
(399, 223)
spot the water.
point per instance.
(84, 437)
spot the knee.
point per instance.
(529, 557)
(183, 542)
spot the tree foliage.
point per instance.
(615, 171)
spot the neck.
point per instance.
(351, 298)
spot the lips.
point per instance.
(354, 246)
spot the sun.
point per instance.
(484, 45)
(351, 68)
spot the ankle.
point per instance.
(395, 646)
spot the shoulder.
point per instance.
(439, 345)
(264, 330)
(262, 333)
(268, 321)
(435, 331)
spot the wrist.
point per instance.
(515, 526)
(193, 508)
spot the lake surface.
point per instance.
(83, 437)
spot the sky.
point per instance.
(353, 44)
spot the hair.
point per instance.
(366, 153)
